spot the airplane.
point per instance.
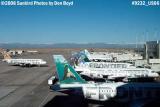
(92, 57)
(68, 81)
(23, 62)
(115, 73)
(110, 56)
(109, 70)
(97, 57)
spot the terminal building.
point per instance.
(152, 50)
(152, 54)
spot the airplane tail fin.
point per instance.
(86, 52)
(6, 56)
(65, 72)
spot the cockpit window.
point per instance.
(152, 71)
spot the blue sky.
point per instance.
(87, 21)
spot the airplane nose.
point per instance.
(44, 62)
(155, 75)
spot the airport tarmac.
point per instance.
(27, 87)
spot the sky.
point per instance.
(87, 21)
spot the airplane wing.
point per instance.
(116, 78)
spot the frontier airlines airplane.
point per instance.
(109, 70)
(23, 62)
(67, 80)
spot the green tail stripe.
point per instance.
(65, 72)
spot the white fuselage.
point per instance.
(100, 57)
(117, 90)
(110, 56)
(121, 91)
(113, 70)
(95, 91)
(26, 61)
(105, 65)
